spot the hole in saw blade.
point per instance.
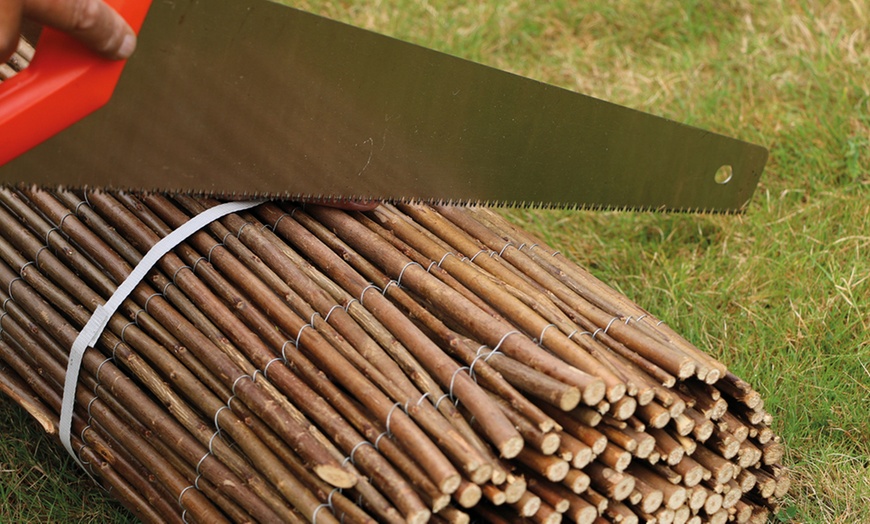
(723, 174)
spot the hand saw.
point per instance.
(253, 98)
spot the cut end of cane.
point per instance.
(582, 458)
(623, 488)
(713, 376)
(335, 476)
(514, 490)
(550, 443)
(677, 499)
(697, 499)
(645, 396)
(440, 502)
(570, 399)
(652, 501)
(469, 496)
(586, 515)
(529, 506)
(616, 392)
(624, 409)
(511, 447)
(594, 392)
(499, 475)
(479, 473)
(557, 471)
(645, 447)
(419, 517)
(687, 369)
(449, 484)
(694, 476)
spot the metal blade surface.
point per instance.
(249, 97)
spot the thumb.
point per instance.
(92, 22)
(10, 22)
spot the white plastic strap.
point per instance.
(90, 334)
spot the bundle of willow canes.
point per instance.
(405, 364)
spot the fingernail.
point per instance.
(128, 45)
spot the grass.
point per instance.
(781, 294)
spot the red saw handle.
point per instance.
(64, 83)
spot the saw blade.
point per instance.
(250, 98)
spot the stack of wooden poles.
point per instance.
(406, 364)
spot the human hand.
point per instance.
(92, 22)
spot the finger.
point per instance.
(10, 24)
(91, 21)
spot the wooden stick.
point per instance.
(615, 485)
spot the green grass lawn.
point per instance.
(780, 294)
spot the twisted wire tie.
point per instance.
(509, 244)
(310, 324)
(328, 313)
(581, 333)
(390, 418)
(9, 288)
(181, 496)
(124, 331)
(233, 388)
(63, 218)
(612, 320)
(274, 226)
(89, 410)
(212, 248)
(139, 312)
(316, 511)
(39, 252)
(224, 239)
(97, 374)
(473, 362)
(362, 294)
(85, 462)
(283, 351)
(350, 458)
(49, 232)
(114, 349)
(402, 273)
(390, 283)
(543, 332)
(199, 464)
(147, 300)
(24, 266)
(450, 390)
(418, 403)
(196, 264)
(476, 255)
(265, 371)
(243, 226)
(175, 275)
(81, 202)
(443, 258)
(349, 303)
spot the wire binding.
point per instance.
(402, 273)
(540, 339)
